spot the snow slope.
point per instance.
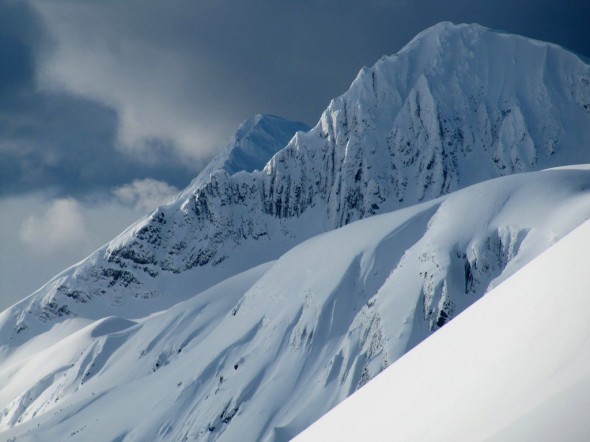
(262, 355)
(515, 366)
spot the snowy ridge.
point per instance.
(458, 105)
(254, 143)
(105, 278)
(528, 379)
(208, 368)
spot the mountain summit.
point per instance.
(249, 149)
(232, 313)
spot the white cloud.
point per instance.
(61, 226)
(41, 235)
(60, 232)
(145, 195)
(152, 87)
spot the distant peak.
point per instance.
(450, 27)
(266, 122)
(256, 141)
(253, 144)
(440, 31)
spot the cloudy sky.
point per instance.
(107, 107)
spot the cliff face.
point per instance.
(458, 105)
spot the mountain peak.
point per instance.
(440, 28)
(444, 30)
(254, 143)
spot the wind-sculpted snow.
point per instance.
(513, 367)
(457, 106)
(262, 355)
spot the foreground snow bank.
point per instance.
(514, 366)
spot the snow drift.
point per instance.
(514, 366)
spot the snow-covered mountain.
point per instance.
(514, 367)
(263, 354)
(249, 149)
(458, 105)
(213, 317)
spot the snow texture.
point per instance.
(263, 354)
(513, 367)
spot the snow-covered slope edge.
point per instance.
(459, 104)
(249, 149)
(100, 285)
(515, 366)
(262, 355)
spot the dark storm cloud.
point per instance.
(19, 34)
(222, 61)
(292, 57)
(180, 75)
(233, 59)
(52, 139)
